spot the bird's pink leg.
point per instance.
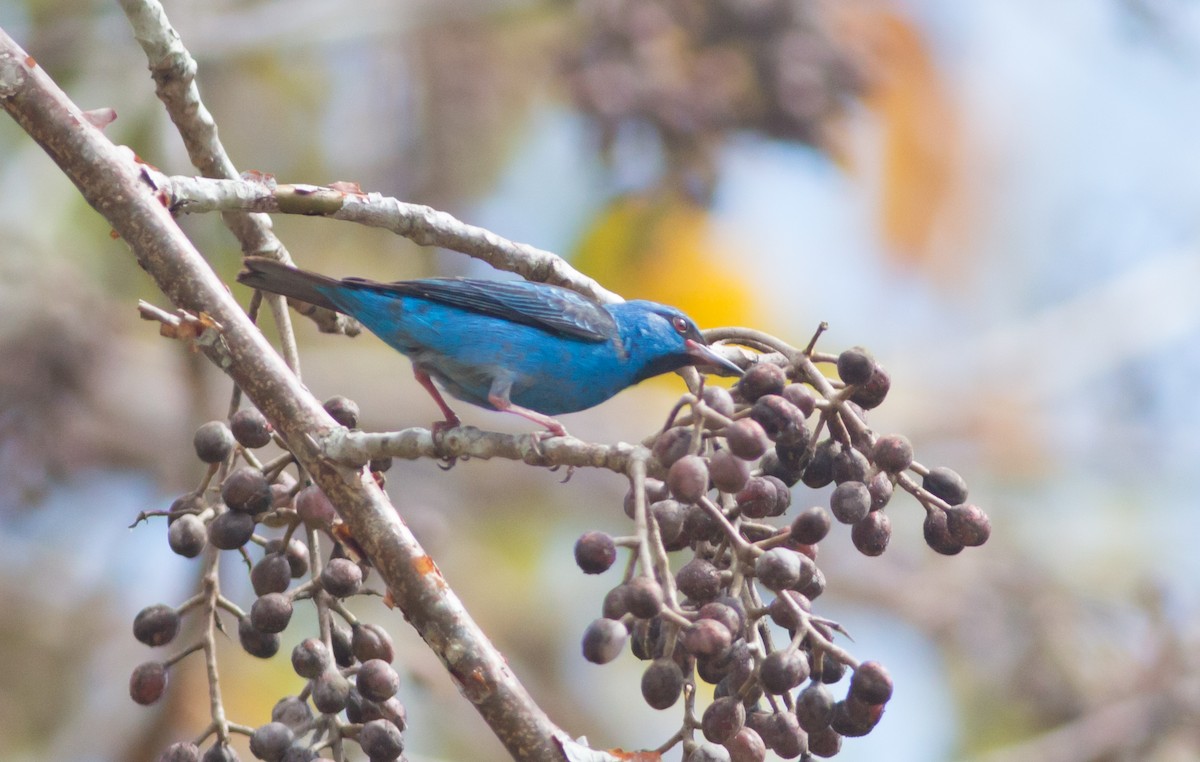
(502, 403)
(452, 419)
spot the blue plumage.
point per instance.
(527, 348)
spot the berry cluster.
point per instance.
(695, 70)
(349, 693)
(729, 471)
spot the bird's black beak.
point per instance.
(706, 355)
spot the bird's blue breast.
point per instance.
(467, 351)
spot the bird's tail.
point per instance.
(278, 278)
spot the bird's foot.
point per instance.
(438, 431)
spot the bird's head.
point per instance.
(665, 339)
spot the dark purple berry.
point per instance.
(341, 577)
(699, 580)
(810, 526)
(264, 645)
(271, 613)
(778, 568)
(370, 641)
(292, 711)
(314, 509)
(892, 453)
(310, 658)
(187, 536)
(781, 420)
(719, 399)
(672, 444)
(213, 442)
(802, 397)
(723, 719)
(381, 740)
(270, 741)
(746, 439)
(855, 366)
(644, 597)
(595, 552)
(343, 410)
(706, 638)
(272, 574)
(850, 465)
(850, 502)
(250, 428)
(231, 530)
(296, 554)
(871, 683)
(746, 746)
(662, 682)
(853, 718)
(762, 379)
(881, 487)
(819, 470)
(147, 683)
(220, 752)
(872, 533)
(814, 706)
(783, 670)
(937, 533)
(872, 394)
(687, 478)
(156, 625)
(246, 490)
(968, 524)
(758, 498)
(670, 515)
(945, 483)
(330, 692)
(603, 640)
(729, 473)
(377, 681)
(180, 751)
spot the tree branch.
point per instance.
(113, 181)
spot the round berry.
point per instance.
(156, 625)
(180, 751)
(746, 439)
(187, 535)
(314, 509)
(746, 746)
(250, 428)
(814, 707)
(872, 394)
(871, 683)
(270, 741)
(147, 683)
(850, 502)
(855, 366)
(231, 530)
(945, 483)
(810, 526)
(707, 752)
(850, 465)
(688, 478)
(699, 580)
(670, 516)
(370, 641)
(783, 670)
(706, 638)
(819, 470)
(213, 442)
(881, 487)
(723, 719)
(778, 568)
(729, 472)
(296, 554)
(937, 533)
(595, 552)
(343, 645)
(264, 645)
(644, 597)
(341, 577)
(662, 683)
(781, 420)
(801, 396)
(853, 718)
(872, 533)
(603, 640)
(220, 752)
(757, 499)
(762, 379)
(310, 658)
(292, 711)
(272, 574)
(381, 740)
(377, 681)
(246, 490)
(672, 444)
(271, 613)
(719, 399)
(968, 524)
(343, 410)
(330, 692)
(892, 453)
(782, 733)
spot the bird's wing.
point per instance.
(550, 308)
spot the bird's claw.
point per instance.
(438, 431)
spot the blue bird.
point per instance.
(517, 346)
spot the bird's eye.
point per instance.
(680, 324)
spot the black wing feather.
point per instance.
(550, 308)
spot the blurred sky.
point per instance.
(1043, 338)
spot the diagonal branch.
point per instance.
(113, 182)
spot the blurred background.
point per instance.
(1001, 199)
